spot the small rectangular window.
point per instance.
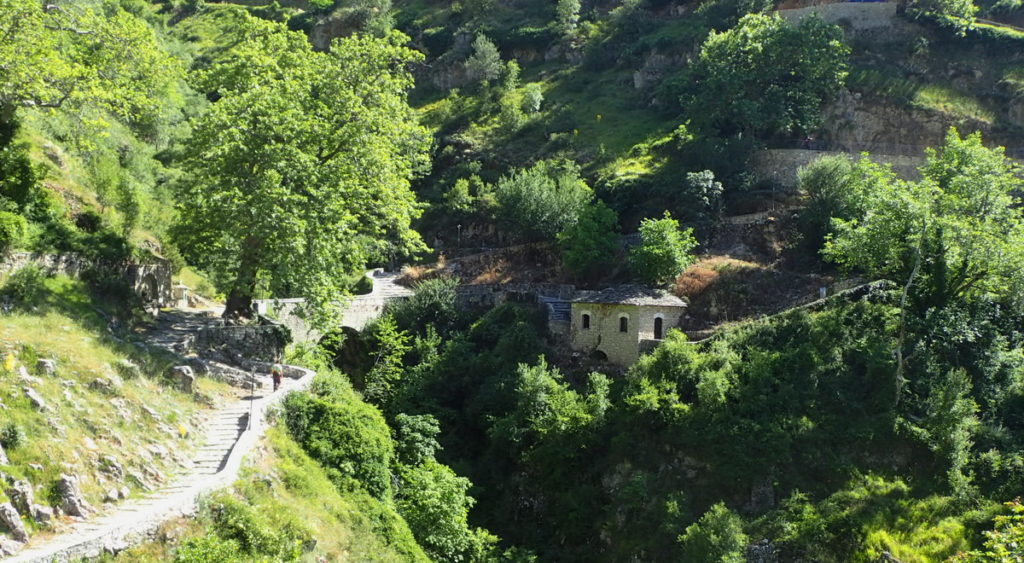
(586, 321)
(623, 324)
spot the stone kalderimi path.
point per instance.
(230, 434)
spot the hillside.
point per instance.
(693, 281)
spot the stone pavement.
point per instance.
(231, 434)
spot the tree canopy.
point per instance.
(959, 232)
(765, 76)
(59, 53)
(300, 172)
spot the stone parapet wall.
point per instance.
(779, 166)
(235, 344)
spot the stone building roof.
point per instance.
(630, 295)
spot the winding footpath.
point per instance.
(231, 433)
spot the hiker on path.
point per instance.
(277, 372)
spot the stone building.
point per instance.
(621, 322)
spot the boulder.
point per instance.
(22, 496)
(112, 467)
(183, 377)
(109, 385)
(71, 500)
(3, 456)
(9, 547)
(10, 519)
(42, 514)
(111, 496)
(46, 367)
(37, 400)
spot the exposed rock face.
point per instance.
(9, 547)
(71, 500)
(10, 519)
(3, 456)
(183, 377)
(855, 123)
(22, 496)
(762, 552)
(109, 385)
(46, 367)
(42, 514)
(37, 400)
(112, 467)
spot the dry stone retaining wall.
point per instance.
(779, 166)
(150, 280)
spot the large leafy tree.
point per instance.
(956, 234)
(765, 76)
(60, 53)
(300, 172)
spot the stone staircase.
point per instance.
(231, 433)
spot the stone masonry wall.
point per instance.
(603, 334)
(780, 166)
(149, 280)
(857, 16)
(235, 344)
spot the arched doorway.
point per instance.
(659, 328)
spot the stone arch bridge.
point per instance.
(359, 311)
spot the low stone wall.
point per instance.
(779, 166)
(856, 16)
(151, 280)
(486, 296)
(236, 344)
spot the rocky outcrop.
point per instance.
(22, 496)
(3, 456)
(37, 400)
(855, 123)
(46, 367)
(184, 378)
(71, 500)
(762, 552)
(10, 519)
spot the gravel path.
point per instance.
(229, 437)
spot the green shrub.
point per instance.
(717, 537)
(348, 437)
(206, 549)
(12, 436)
(236, 521)
(13, 228)
(26, 286)
(539, 202)
(591, 242)
(664, 250)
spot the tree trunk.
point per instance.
(239, 303)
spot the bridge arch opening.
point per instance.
(348, 351)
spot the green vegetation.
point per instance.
(285, 507)
(287, 174)
(664, 250)
(278, 151)
(109, 396)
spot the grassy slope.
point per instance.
(85, 423)
(283, 483)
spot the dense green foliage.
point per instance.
(664, 251)
(539, 202)
(766, 77)
(590, 244)
(957, 234)
(296, 183)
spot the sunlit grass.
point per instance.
(947, 100)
